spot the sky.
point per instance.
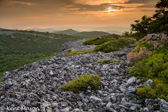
(107, 15)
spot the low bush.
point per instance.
(69, 50)
(157, 90)
(150, 43)
(151, 55)
(82, 83)
(107, 61)
(143, 45)
(135, 57)
(154, 66)
(113, 45)
(79, 52)
(101, 40)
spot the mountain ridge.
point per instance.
(82, 33)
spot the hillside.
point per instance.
(18, 47)
(92, 33)
(67, 32)
(84, 33)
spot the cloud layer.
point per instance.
(56, 13)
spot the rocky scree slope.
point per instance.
(38, 85)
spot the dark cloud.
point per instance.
(101, 7)
(145, 3)
(142, 1)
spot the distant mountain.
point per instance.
(84, 33)
(67, 32)
(92, 33)
(42, 30)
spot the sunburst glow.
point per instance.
(109, 9)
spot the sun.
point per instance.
(109, 9)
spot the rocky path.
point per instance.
(36, 87)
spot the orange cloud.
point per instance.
(22, 3)
(98, 2)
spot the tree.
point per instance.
(160, 19)
(141, 27)
(156, 24)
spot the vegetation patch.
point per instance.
(82, 83)
(25, 47)
(151, 55)
(153, 67)
(157, 90)
(69, 50)
(148, 44)
(107, 61)
(101, 40)
(114, 45)
(1, 80)
(79, 52)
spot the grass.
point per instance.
(107, 61)
(79, 52)
(81, 84)
(101, 40)
(113, 45)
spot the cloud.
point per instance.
(100, 7)
(73, 12)
(141, 1)
(99, 2)
(21, 2)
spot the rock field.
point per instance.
(38, 85)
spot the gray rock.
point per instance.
(9, 83)
(122, 110)
(145, 109)
(109, 104)
(133, 108)
(6, 74)
(51, 73)
(97, 102)
(114, 81)
(43, 87)
(64, 104)
(149, 82)
(138, 81)
(113, 98)
(131, 80)
(109, 110)
(132, 89)
(54, 104)
(77, 110)
(49, 109)
(163, 106)
(67, 109)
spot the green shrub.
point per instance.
(101, 40)
(158, 90)
(113, 45)
(82, 83)
(143, 45)
(154, 66)
(1, 80)
(79, 52)
(69, 50)
(107, 61)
